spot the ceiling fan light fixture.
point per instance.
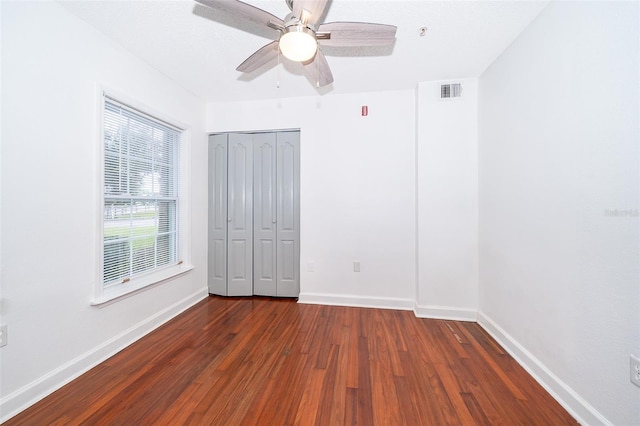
(298, 43)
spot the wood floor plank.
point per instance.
(446, 375)
(310, 401)
(350, 358)
(351, 407)
(490, 360)
(365, 402)
(383, 389)
(409, 410)
(255, 361)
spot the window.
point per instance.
(141, 194)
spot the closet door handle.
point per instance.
(229, 220)
(273, 221)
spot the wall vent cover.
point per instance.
(450, 90)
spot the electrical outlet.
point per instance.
(635, 370)
(4, 336)
(356, 266)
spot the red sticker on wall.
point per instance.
(365, 110)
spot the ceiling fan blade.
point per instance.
(357, 34)
(315, 9)
(242, 11)
(262, 56)
(318, 70)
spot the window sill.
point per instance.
(122, 291)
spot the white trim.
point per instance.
(98, 286)
(416, 192)
(125, 98)
(580, 409)
(445, 312)
(184, 199)
(356, 301)
(132, 109)
(121, 291)
(33, 392)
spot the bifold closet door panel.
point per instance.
(264, 214)
(240, 215)
(217, 256)
(288, 214)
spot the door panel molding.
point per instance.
(240, 221)
(265, 243)
(217, 235)
(288, 230)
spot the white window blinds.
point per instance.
(140, 193)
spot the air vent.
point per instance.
(450, 90)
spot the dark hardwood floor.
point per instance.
(247, 361)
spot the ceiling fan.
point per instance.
(300, 33)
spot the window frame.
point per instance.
(139, 282)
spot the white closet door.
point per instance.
(264, 214)
(288, 214)
(240, 215)
(217, 256)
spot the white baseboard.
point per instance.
(445, 312)
(356, 301)
(33, 392)
(580, 409)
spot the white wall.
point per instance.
(447, 185)
(357, 191)
(51, 63)
(558, 150)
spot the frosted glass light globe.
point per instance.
(298, 43)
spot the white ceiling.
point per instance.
(200, 49)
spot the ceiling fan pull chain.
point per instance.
(318, 79)
(278, 72)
